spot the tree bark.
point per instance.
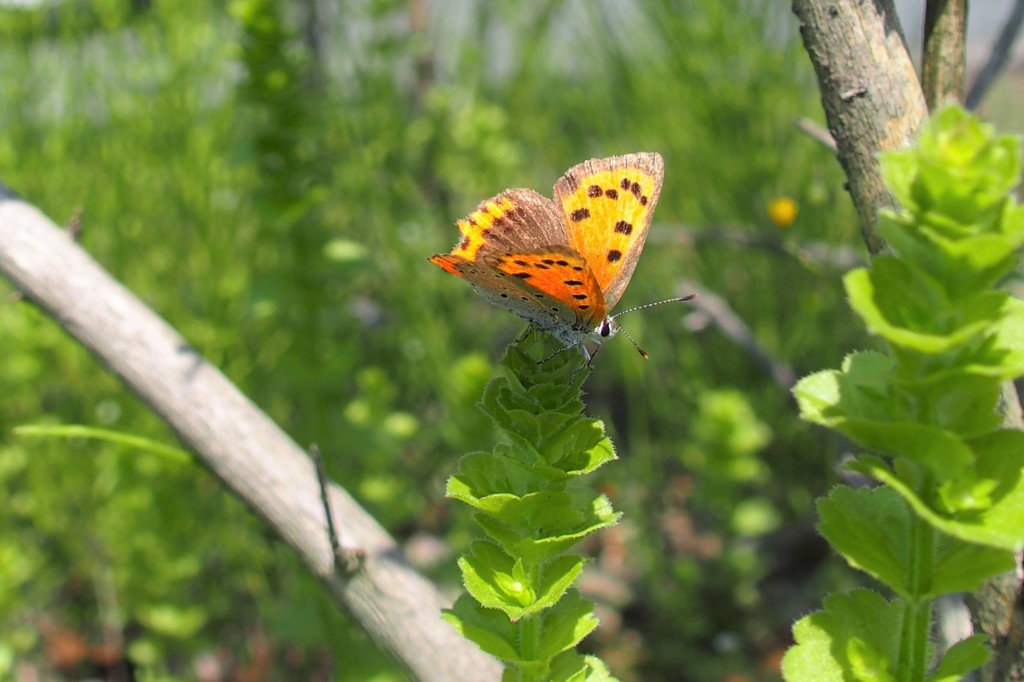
(872, 98)
(250, 454)
(945, 52)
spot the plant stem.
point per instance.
(917, 612)
(530, 634)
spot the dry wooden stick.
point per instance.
(250, 454)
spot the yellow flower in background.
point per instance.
(782, 211)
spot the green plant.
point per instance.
(531, 509)
(950, 511)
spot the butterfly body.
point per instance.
(562, 264)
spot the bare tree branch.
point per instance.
(943, 59)
(999, 56)
(718, 311)
(238, 443)
(817, 132)
(869, 89)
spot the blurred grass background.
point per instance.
(270, 177)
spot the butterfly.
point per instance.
(562, 264)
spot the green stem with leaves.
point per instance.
(532, 508)
(950, 511)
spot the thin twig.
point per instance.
(346, 561)
(817, 132)
(998, 57)
(718, 311)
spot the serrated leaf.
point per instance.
(571, 667)
(1003, 357)
(963, 657)
(818, 396)
(1000, 526)
(897, 304)
(965, 405)
(963, 266)
(579, 449)
(566, 624)
(497, 580)
(544, 531)
(965, 167)
(859, 631)
(939, 450)
(861, 389)
(483, 473)
(489, 629)
(568, 666)
(871, 528)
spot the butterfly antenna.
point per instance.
(641, 351)
(678, 299)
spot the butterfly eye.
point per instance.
(606, 328)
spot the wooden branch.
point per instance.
(718, 312)
(944, 54)
(995, 611)
(999, 56)
(869, 89)
(238, 443)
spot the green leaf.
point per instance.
(861, 389)
(855, 637)
(480, 473)
(964, 404)
(543, 525)
(1001, 525)
(871, 529)
(899, 305)
(963, 657)
(959, 169)
(498, 581)
(578, 449)
(1003, 357)
(566, 624)
(868, 527)
(938, 450)
(571, 667)
(962, 266)
(489, 629)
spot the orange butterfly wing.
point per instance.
(607, 205)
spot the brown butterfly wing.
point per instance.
(607, 205)
(517, 220)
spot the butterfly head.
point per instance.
(607, 329)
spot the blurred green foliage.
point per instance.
(272, 186)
